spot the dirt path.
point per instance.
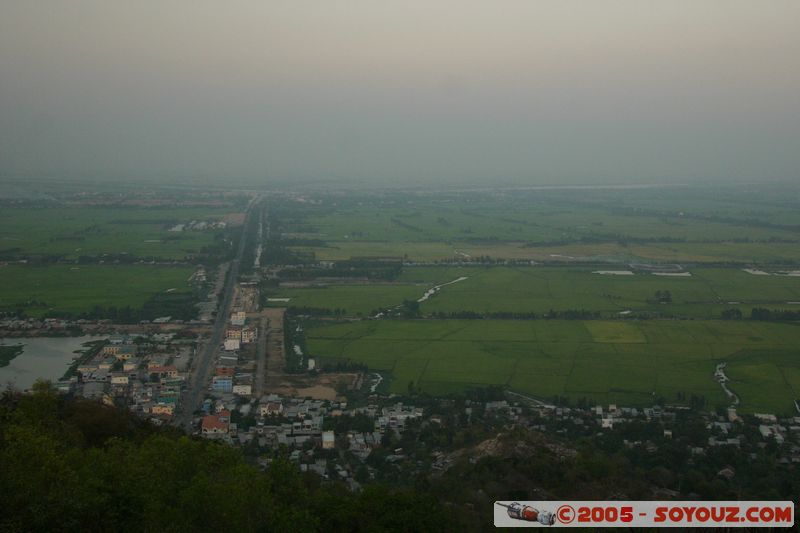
(272, 365)
(433, 290)
(723, 379)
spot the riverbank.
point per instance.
(44, 358)
(92, 348)
(8, 353)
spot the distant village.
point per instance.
(335, 438)
(357, 434)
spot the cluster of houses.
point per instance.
(146, 376)
(198, 225)
(728, 432)
(728, 429)
(30, 327)
(238, 332)
(297, 423)
(235, 369)
(779, 429)
(274, 421)
(12, 325)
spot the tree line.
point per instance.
(75, 465)
(762, 313)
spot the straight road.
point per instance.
(261, 361)
(203, 363)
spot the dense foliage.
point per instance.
(75, 465)
(71, 465)
(8, 353)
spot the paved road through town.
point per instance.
(203, 363)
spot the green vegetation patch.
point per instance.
(59, 290)
(551, 226)
(353, 299)
(706, 294)
(8, 353)
(75, 232)
(765, 378)
(626, 362)
(622, 332)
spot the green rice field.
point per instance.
(39, 290)
(705, 294)
(93, 231)
(627, 362)
(612, 225)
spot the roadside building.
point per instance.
(248, 335)
(125, 352)
(231, 345)
(111, 349)
(222, 384)
(121, 352)
(243, 389)
(227, 371)
(118, 378)
(328, 440)
(213, 426)
(86, 368)
(238, 318)
(272, 408)
(166, 409)
(168, 371)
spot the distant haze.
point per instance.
(393, 92)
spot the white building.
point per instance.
(271, 408)
(238, 318)
(119, 379)
(243, 390)
(248, 335)
(231, 345)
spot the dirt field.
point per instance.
(277, 381)
(234, 219)
(320, 387)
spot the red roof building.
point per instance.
(226, 371)
(213, 425)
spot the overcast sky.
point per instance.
(407, 91)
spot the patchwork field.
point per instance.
(721, 252)
(92, 231)
(705, 294)
(630, 362)
(354, 299)
(616, 225)
(535, 221)
(77, 289)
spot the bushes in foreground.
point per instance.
(73, 465)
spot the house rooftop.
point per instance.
(213, 422)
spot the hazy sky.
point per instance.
(494, 91)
